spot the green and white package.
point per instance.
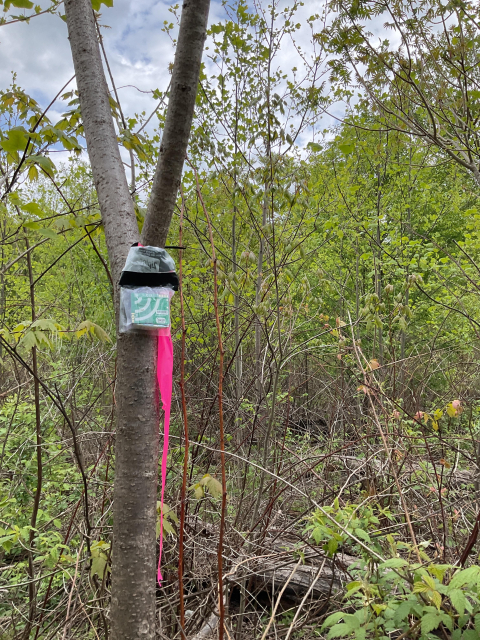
(145, 308)
(150, 308)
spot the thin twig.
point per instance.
(220, 415)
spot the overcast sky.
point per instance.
(139, 52)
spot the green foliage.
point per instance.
(96, 4)
(334, 526)
(15, 140)
(99, 551)
(209, 483)
(21, 4)
(167, 521)
(395, 595)
(410, 597)
(88, 328)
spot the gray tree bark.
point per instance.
(186, 72)
(136, 449)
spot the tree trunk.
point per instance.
(185, 76)
(136, 453)
(135, 490)
(116, 205)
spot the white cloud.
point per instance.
(39, 54)
(139, 52)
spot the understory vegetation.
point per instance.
(329, 297)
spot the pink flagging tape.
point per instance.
(164, 376)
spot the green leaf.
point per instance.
(436, 599)
(346, 148)
(20, 328)
(430, 621)
(58, 524)
(7, 538)
(332, 546)
(97, 3)
(430, 582)
(339, 630)
(393, 563)
(100, 333)
(477, 623)
(99, 558)
(16, 140)
(469, 634)
(402, 611)
(317, 534)
(198, 490)
(353, 587)
(29, 340)
(352, 621)
(438, 570)
(45, 163)
(457, 598)
(31, 225)
(447, 621)
(49, 233)
(363, 535)
(171, 514)
(466, 576)
(213, 485)
(22, 4)
(7, 545)
(45, 324)
(32, 207)
(333, 619)
(167, 526)
(452, 412)
(91, 329)
(33, 173)
(98, 565)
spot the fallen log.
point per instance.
(319, 575)
(361, 470)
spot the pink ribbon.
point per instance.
(164, 376)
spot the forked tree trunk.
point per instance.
(136, 452)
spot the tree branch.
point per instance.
(173, 148)
(116, 205)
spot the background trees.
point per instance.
(423, 78)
